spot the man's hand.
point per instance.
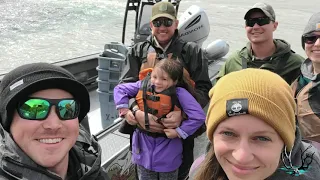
(130, 118)
(171, 133)
(173, 120)
(154, 126)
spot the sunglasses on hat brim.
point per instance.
(166, 22)
(35, 108)
(310, 38)
(260, 21)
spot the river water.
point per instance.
(55, 30)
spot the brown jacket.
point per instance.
(307, 94)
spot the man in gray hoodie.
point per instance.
(41, 108)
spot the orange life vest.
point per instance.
(158, 104)
(152, 59)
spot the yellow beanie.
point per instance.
(260, 93)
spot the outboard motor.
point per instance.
(194, 25)
(216, 50)
(215, 53)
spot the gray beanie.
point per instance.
(313, 25)
(30, 78)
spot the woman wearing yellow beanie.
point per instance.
(251, 125)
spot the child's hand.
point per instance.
(171, 133)
(127, 114)
(172, 120)
(130, 118)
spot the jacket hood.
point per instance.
(307, 70)
(15, 164)
(282, 47)
(305, 159)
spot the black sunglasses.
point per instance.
(260, 21)
(165, 22)
(35, 108)
(310, 39)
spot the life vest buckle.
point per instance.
(153, 98)
(161, 56)
(152, 111)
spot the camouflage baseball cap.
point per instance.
(265, 8)
(163, 9)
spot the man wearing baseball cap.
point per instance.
(163, 43)
(262, 51)
(265, 8)
(163, 9)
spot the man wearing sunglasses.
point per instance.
(262, 51)
(41, 108)
(165, 42)
(307, 85)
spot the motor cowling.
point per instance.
(194, 25)
(216, 50)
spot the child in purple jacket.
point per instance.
(159, 156)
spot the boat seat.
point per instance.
(145, 29)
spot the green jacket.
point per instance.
(288, 68)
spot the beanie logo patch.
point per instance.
(317, 26)
(16, 84)
(237, 107)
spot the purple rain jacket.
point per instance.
(161, 154)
